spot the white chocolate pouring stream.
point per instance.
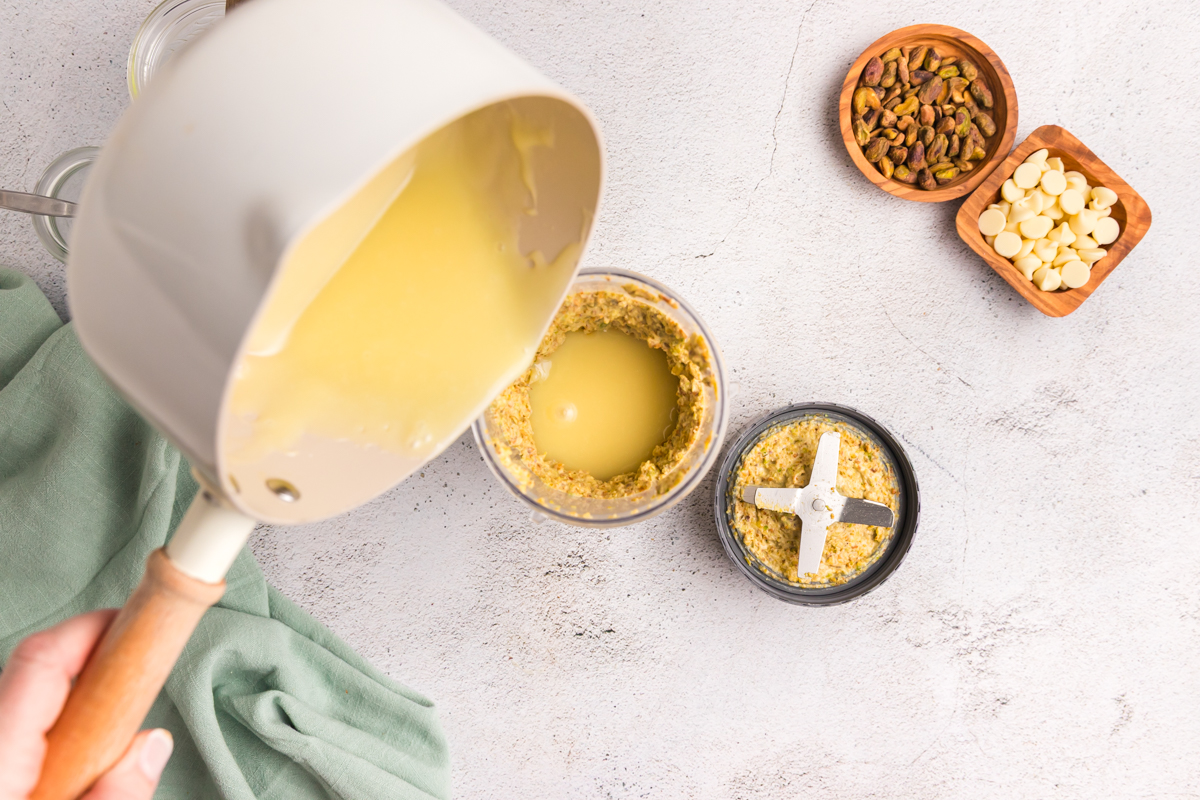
(401, 315)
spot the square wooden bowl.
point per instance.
(1130, 212)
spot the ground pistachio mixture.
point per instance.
(783, 458)
(626, 311)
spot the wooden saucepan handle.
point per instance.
(122, 678)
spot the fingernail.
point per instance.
(155, 753)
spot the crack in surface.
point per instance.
(930, 458)
(919, 350)
(787, 81)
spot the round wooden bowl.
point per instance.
(951, 42)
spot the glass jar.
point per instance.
(908, 509)
(63, 180)
(169, 29)
(696, 462)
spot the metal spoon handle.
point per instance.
(36, 204)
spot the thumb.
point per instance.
(136, 775)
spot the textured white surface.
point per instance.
(1042, 637)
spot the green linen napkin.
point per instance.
(264, 702)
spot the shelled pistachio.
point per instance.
(921, 117)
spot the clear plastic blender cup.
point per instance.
(671, 487)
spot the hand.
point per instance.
(33, 688)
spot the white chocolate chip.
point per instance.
(1107, 230)
(1084, 221)
(1076, 181)
(1045, 249)
(1100, 212)
(1022, 210)
(1084, 241)
(1074, 274)
(1064, 255)
(1037, 156)
(1055, 164)
(1104, 196)
(990, 240)
(1053, 182)
(1047, 279)
(1091, 255)
(1026, 176)
(1054, 212)
(1007, 244)
(1026, 249)
(1003, 206)
(1011, 192)
(1037, 227)
(991, 222)
(1062, 234)
(1071, 201)
(1028, 265)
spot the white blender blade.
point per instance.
(819, 504)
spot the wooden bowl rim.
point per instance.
(1137, 214)
(903, 190)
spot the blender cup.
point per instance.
(672, 487)
(896, 547)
